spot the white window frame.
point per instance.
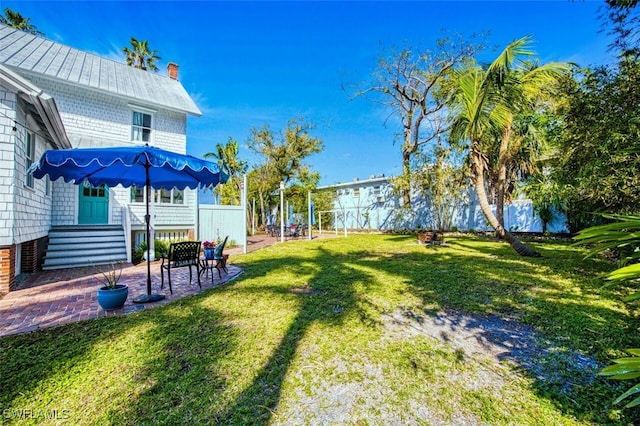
(30, 158)
(134, 189)
(157, 196)
(172, 197)
(137, 130)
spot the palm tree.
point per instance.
(15, 20)
(227, 156)
(140, 56)
(485, 107)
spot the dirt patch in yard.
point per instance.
(499, 339)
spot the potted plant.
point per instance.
(426, 236)
(430, 237)
(112, 295)
(209, 249)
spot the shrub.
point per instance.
(161, 247)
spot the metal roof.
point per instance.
(22, 51)
(358, 183)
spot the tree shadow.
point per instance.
(173, 376)
(185, 369)
(318, 303)
(501, 295)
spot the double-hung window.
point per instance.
(141, 127)
(161, 196)
(170, 196)
(137, 194)
(30, 152)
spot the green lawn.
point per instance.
(336, 331)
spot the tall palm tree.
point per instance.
(487, 102)
(15, 20)
(139, 56)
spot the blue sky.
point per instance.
(247, 64)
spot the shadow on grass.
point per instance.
(493, 283)
(319, 302)
(577, 323)
(176, 343)
(186, 376)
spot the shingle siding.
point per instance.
(65, 199)
(8, 114)
(166, 215)
(88, 114)
(25, 212)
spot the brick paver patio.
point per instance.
(51, 298)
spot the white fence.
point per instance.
(216, 222)
(518, 217)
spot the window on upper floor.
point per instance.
(141, 127)
(356, 192)
(30, 152)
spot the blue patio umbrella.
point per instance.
(133, 165)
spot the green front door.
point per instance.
(93, 205)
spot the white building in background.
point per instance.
(370, 204)
(53, 96)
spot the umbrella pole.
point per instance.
(146, 298)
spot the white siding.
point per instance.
(65, 198)
(32, 206)
(88, 114)
(24, 212)
(167, 216)
(8, 107)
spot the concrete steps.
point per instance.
(73, 246)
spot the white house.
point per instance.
(53, 96)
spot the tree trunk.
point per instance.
(478, 174)
(262, 210)
(406, 172)
(502, 175)
(406, 160)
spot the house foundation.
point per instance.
(7, 268)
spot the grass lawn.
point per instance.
(345, 331)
